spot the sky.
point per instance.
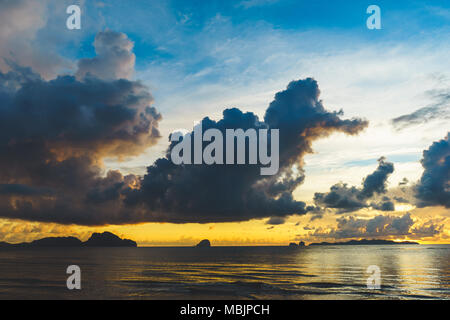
(86, 116)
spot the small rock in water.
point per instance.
(204, 244)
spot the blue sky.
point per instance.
(165, 29)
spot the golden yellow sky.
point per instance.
(254, 232)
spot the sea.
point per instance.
(303, 273)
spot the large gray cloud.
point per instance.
(53, 137)
(376, 181)
(201, 193)
(340, 197)
(348, 199)
(434, 186)
(55, 134)
(93, 116)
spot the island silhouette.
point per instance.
(108, 239)
(362, 242)
(204, 244)
(295, 245)
(105, 239)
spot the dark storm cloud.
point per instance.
(376, 182)
(439, 110)
(90, 116)
(214, 193)
(341, 197)
(11, 81)
(54, 135)
(348, 199)
(20, 189)
(109, 188)
(433, 189)
(53, 138)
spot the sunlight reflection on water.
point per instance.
(335, 272)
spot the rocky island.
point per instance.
(362, 242)
(204, 244)
(108, 239)
(295, 245)
(105, 239)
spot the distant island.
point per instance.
(295, 245)
(362, 242)
(105, 239)
(204, 244)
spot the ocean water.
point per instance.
(325, 272)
